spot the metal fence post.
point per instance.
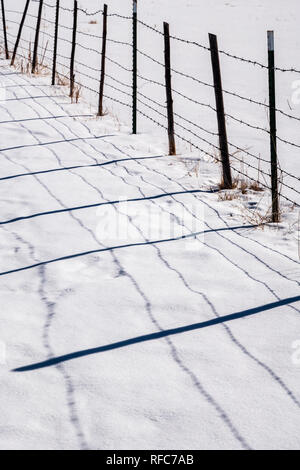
(55, 42)
(168, 78)
(72, 63)
(20, 33)
(37, 36)
(273, 131)
(4, 30)
(103, 57)
(227, 178)
(134, 69)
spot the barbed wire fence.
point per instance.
(58, 25)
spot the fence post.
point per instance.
(19, 33)
(171, 134)
(72, 74)
(134, 69)
(37, 36)
(103, 57)
(55, 42)
(4, 30)
(273, 131)
(215, 60)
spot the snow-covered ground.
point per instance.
(138, 308)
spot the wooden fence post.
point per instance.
(227, 178)
(37, 36)
(72, 73)
(273, 130)
(4, 30)
(168, 78)
(134, 68)
(103, 57)
(20, 33)
(55, 42)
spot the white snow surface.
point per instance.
(115, 340)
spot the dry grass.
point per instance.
(255, 186)
(223, 187)
(255, 217)
(243, 185)
(42, 68)
(105, 113)
(228, 196)
(117, 122)
(76, 94)
(93, 22)
(62, 80)
(24, 65)
(192, 165)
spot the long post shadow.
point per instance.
(55, 142)
(120, 247)
(155, 336)
(99, 204)
(76, 167)
(46, 118)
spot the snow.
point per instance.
(111, 323)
